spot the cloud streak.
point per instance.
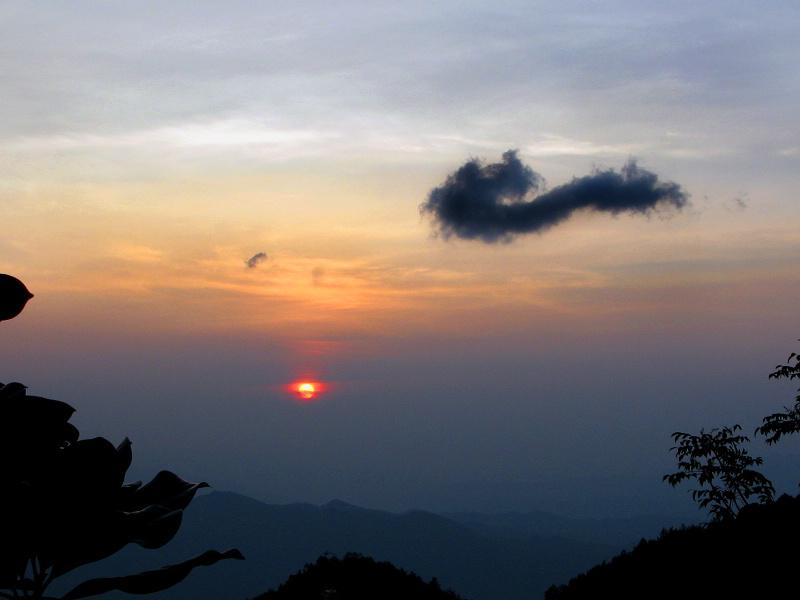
(498, 201)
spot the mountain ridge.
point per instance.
(277, 540)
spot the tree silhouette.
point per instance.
(65, 503)
(356, 577)
(722, 467)
(787, 422)
(717, 459)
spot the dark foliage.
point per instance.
(356, 577)
(65, 504)
(718, 461)
(787, 422)
(750, 556)
(64, 500)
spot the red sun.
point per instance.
(306, 390)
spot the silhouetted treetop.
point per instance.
(743, 557)
(788, 421)
(356, 577)
(719, 462)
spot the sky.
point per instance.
(212, 202)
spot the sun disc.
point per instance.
(306, 391)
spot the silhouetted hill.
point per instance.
(752, 556)
(356, 577)
(279, 540)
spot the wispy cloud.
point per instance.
(737, 204)
(222, 133)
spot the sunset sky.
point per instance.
(149, 150)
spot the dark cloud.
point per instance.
(253, 261)
(498, 201)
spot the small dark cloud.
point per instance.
(738, 204)
(499, 201)
(254, 260)
(317, 273)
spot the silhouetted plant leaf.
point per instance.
(18, 405)
(155, 531)
(85, 527)
(150, 528)
(90, 472)
(125, 454)
(64, 501)
(32, 430)
(166, 489)
(87, 538)
(13, 297)
(127, 491)
(11, 390)
(149, 582)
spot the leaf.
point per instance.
(165, 489)
(149, 582)
(150, 528)
(125, 454)
(11, 390)
(156, 532)
(45, 409)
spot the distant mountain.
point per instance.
(623, 533)
(277, 540)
